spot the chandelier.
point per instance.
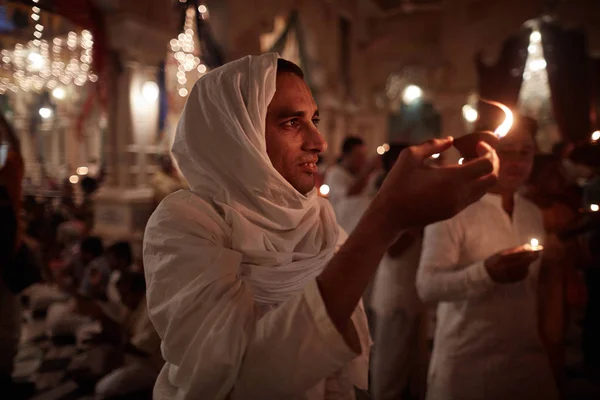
(39, 65)
(535, 91)
(185, 49)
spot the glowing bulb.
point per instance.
(202, 9)
(538, 65)
(45, 112)
(202, 68)
(469, 113)
(594, 207)
(386, 147)
(150, 91)
(461, 161)
(36, 60)
(183, 92)
(324, 190)
(380, 150)
(73, 179)
(435, 156)
(35, 17)
(59, 93)
(82, 171)
(534, 242)
(411, 94)
(535, 37)
(596, 136)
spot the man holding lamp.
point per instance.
(482, 266)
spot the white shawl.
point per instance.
(285, 238)
(242, 243)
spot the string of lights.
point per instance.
(33, 66)
(185, 50)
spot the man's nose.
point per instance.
(314, 141)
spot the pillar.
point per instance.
(125, 202)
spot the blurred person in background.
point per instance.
(400, 350)
(136, 340)
(560, 284)
(591, 325)
(95, 269)
(487, 342)
(352, 182)
(166, 179)
(13, 255)
(84, 277)
(574, 175)
(120, 260)
(85, 211)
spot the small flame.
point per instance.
(534, 245)
(505, 126)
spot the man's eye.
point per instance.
(316, 121)
(293, 123)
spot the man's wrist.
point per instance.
(381, 224)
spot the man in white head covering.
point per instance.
(245, 287)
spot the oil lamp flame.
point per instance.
(534, 245)
(505, 126)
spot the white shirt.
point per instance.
(348, 209)
(394, 284)
(217, 336)
(486, 343)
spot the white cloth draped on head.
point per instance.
(231, 265)
(285, 238)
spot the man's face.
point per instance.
(293, 140)
(516, 152)
(357, 158)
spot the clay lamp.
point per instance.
(467, 144)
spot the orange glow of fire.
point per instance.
(505, 126)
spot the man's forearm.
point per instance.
(347, 275)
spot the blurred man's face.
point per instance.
(516, 152)
(293, 140)
(356, 159)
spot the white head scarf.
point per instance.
(285, 238)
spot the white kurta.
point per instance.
(399, 313)
(231, 265)
(216, 337)
(487, 344)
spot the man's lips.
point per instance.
(309, 167)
